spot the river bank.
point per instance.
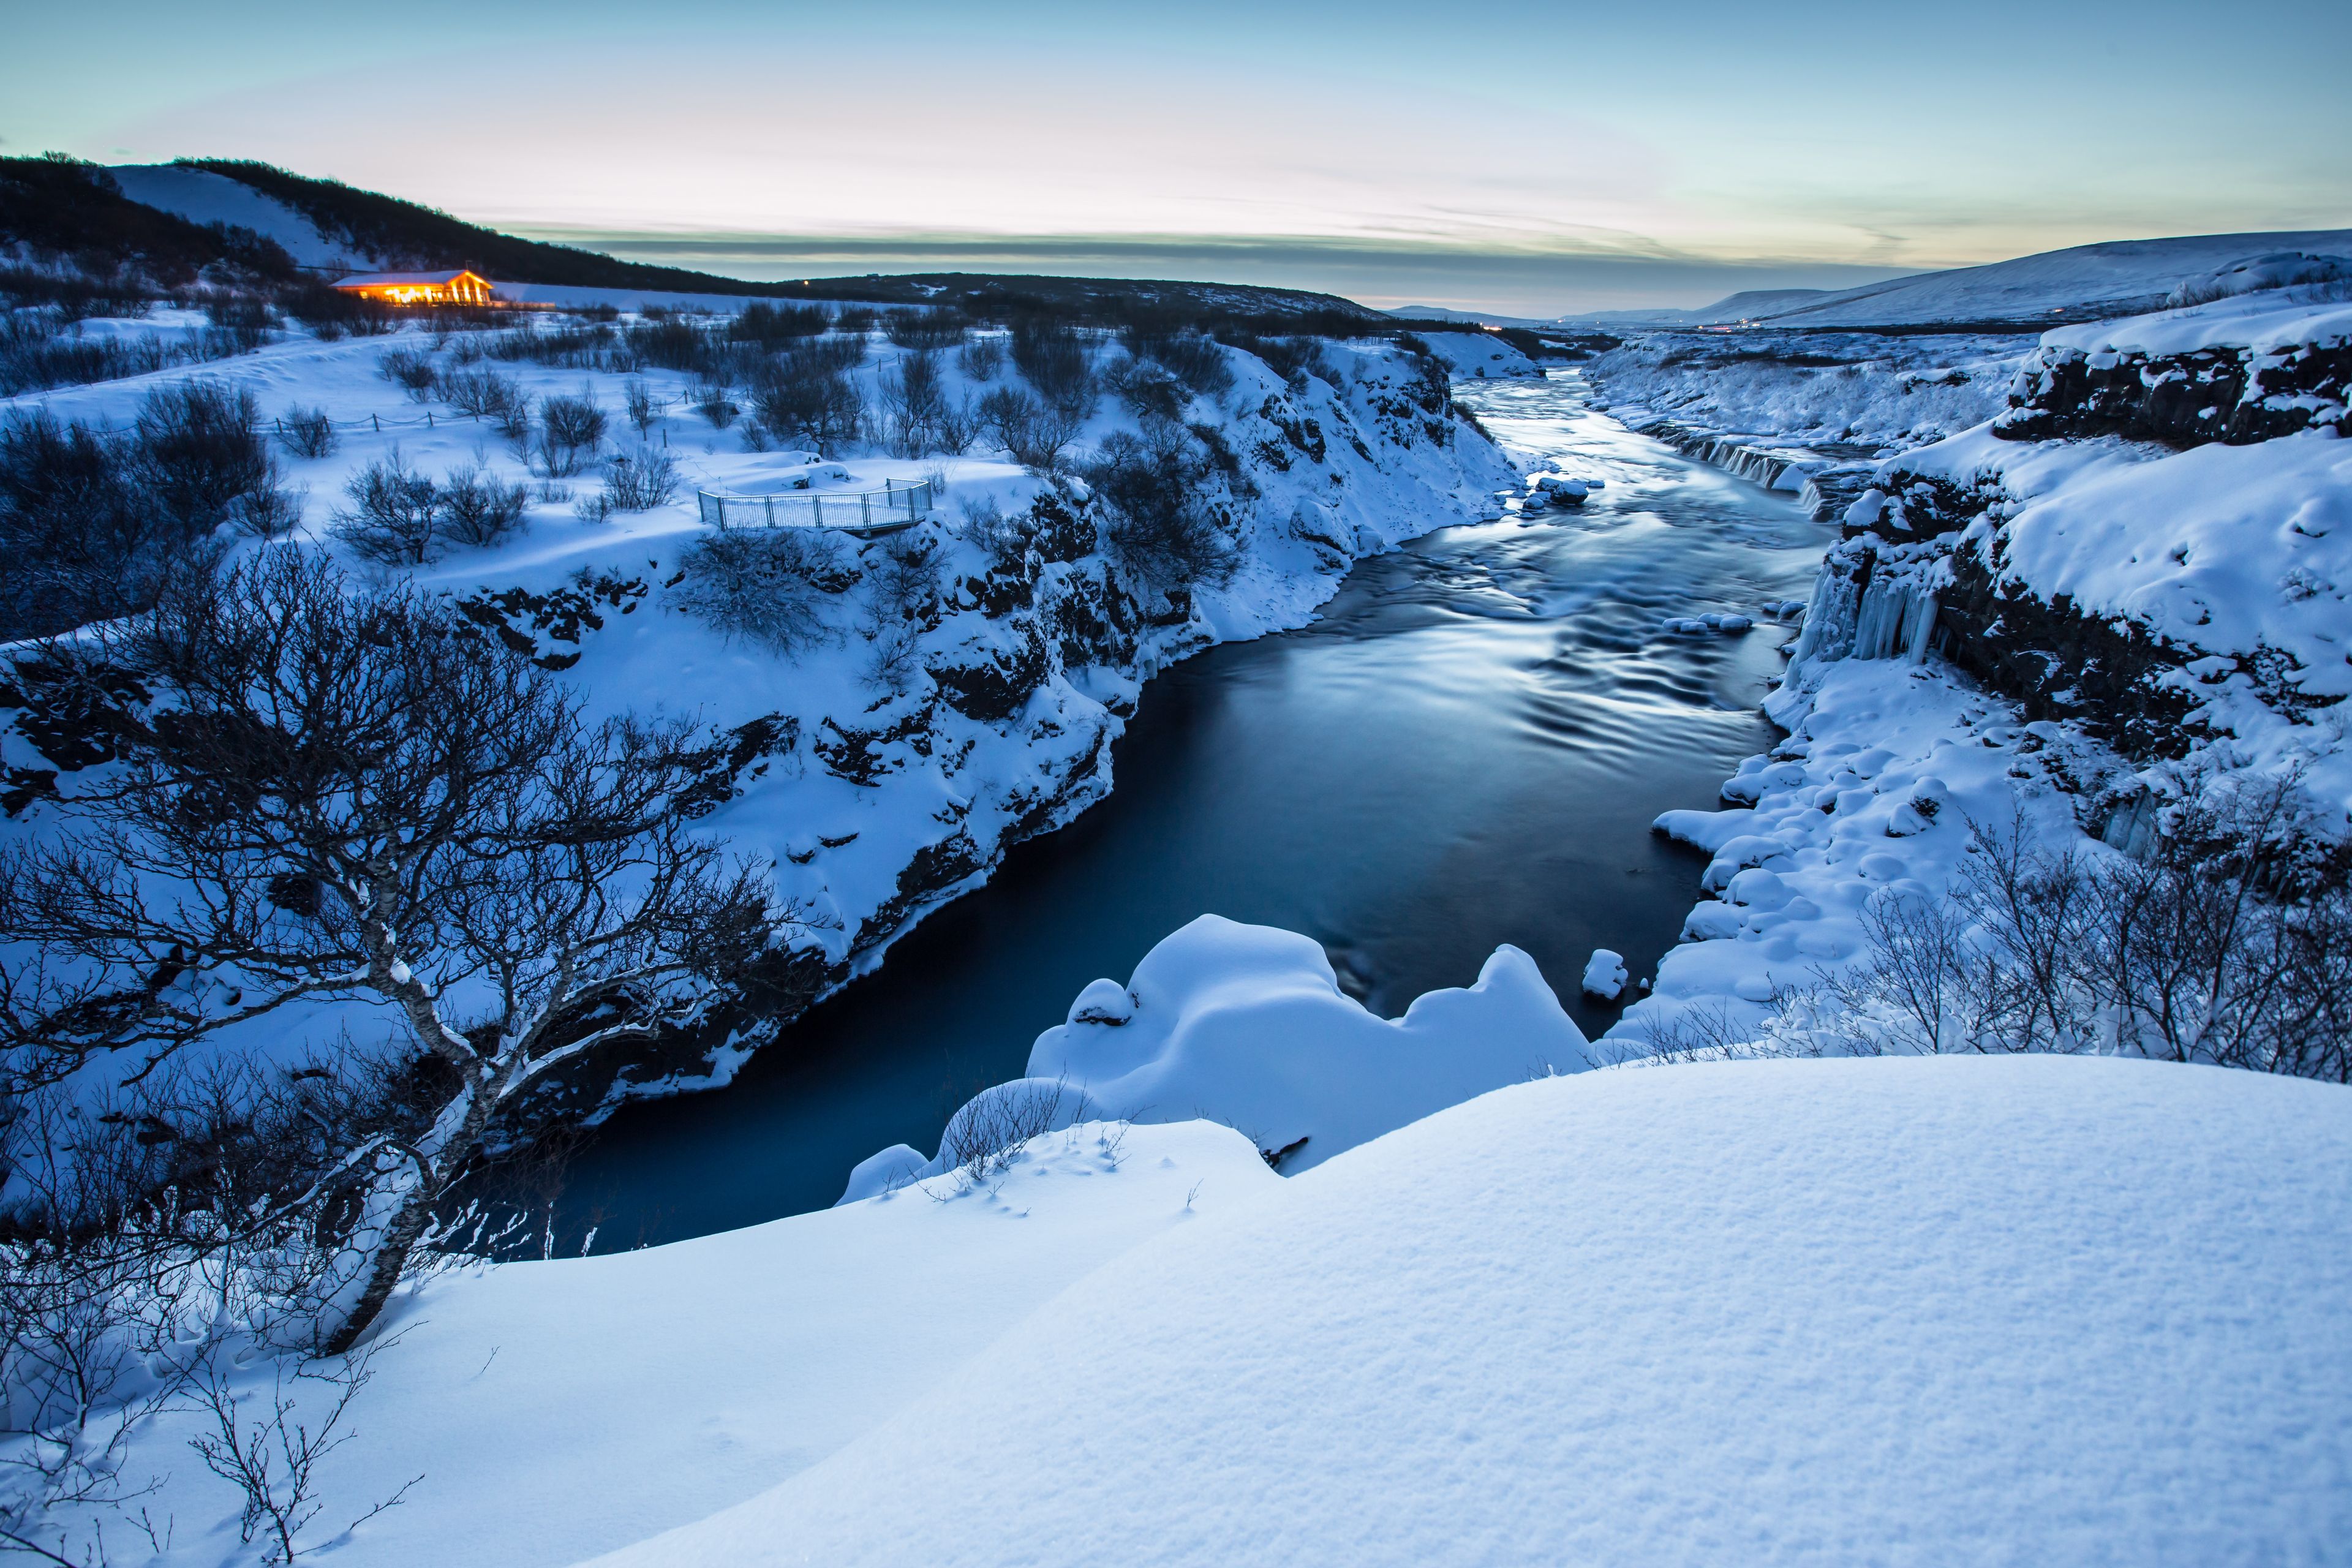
(1464, 748)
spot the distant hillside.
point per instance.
(61, 208)
(325, 223)
(2085, 283)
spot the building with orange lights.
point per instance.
(459, 287)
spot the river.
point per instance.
(1465, 748)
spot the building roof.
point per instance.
(404, 279)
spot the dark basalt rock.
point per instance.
(863, 756)
(1059, 531)
(2057, 662)
(995, 688)
(932, 870)
(2224, 394)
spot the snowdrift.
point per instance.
(1247, 1025)
(1946, 1309)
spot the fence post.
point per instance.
(772, 511)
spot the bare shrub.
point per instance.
(902, 601)
(199, 453)
(770, 325)
(394, 513)
(1294, 359)
(1056, 361)
(481, 391)
(409, 369)
(1196, 360)
(915, 405)
(1002, 538)
(570, 429)
(475, 508)
(803, 397)
(270, 1449)
(1159, 529)
(981, 357)
(1030, 433)
(81, 540)
(640, 481)
(769, 586)
(1148, 390)
(713, 402)
(306, 432)
(2230, 942)
(983, 1137)
(645, 407)
(925, 328)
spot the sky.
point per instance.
(1528, 159)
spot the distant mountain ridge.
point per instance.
(2083, 283)
(208, 219)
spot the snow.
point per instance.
(1875, 392)
(840, 846)
(2264, 322)
(1248, 1026)
(559, 1409)
(1480, 354)
(2112, 277)
(202, 196)
(1826, 823)
(1933, 1311)
(1604, 975)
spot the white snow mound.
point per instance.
(1248, 1026)
(2017, 1309)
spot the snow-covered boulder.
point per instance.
(886, 1171)
(1604, 975)
(1248, 1026)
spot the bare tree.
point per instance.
(323, 795)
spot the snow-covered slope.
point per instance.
(1949, 1311)
(202, 196)
(1478, 355)
(2115, 278)
(559, 1409)
(2111, 279)
(878, 795)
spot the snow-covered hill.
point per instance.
(1960, 1309)
(2116, 278)
(1743, 1313)
(202, 196)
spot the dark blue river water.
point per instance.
(1467, 749)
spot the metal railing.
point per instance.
(900, 503)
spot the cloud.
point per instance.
(1523, 280)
